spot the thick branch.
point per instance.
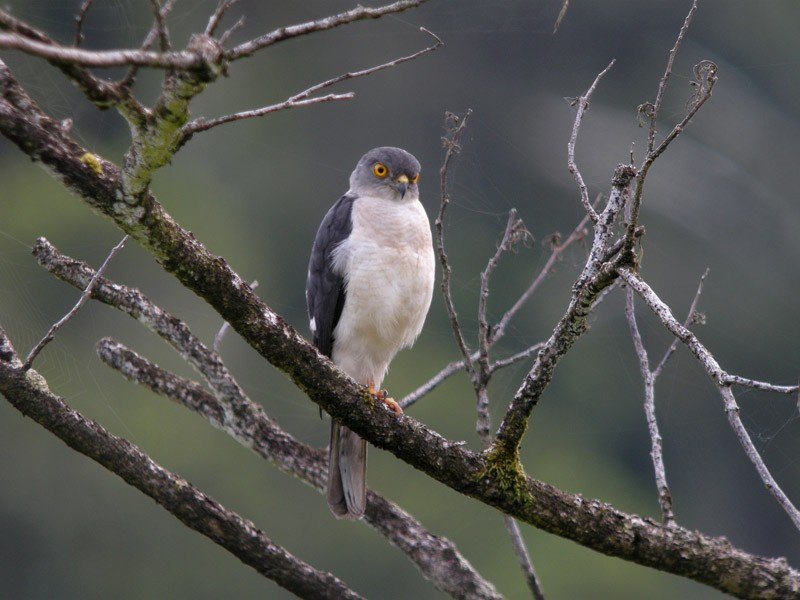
(27, 391)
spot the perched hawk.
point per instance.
(369, 287)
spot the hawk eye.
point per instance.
(380, 170)
(415, 178)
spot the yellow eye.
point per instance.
(380, 170)
(415, 178)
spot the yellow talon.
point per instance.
(383, 396)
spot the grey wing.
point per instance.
(325, 289)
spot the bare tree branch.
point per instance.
(304, 98)
(222, 7)
(74, 311)
(649, 379)
(230, 410)
(101, 92)
(183, 60)
(104, 59)
(28, 392)
(691, 318)
(127, 81)
(160, 25)
(562, 13)
(706, 75)
(436, 557)
(357, 14)
(451, 144)
(523, 557)
(662, 85)
(598, 274)
(720, 378)
(558, 247)
(79, 19)
(583, 105)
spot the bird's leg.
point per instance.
(384, 397)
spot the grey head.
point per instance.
(386, 172)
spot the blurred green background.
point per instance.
(724, 197)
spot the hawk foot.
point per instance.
(383, 396)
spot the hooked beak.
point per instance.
(401, 184)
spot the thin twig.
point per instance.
(79, 19)
(523, 557)
(690, 318)
(458, 365)
(223, 39)
(514, 232)
(515, 358)
(200, 124)
(450, 369)
(81, 301)
(351, 16)
(583, 104)
(655, 108)
(160, 25)
(128, 79)
(707, 77)
(304, 98)
(649, 379)
(759, 385)
(558, 248)
(452, 147)
(562, 13)
(498, 331)
(735, 420)
(706, 73)
(218, 15)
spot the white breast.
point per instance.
(388, 264)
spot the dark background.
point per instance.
(724, 197)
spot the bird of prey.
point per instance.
(369, 287)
